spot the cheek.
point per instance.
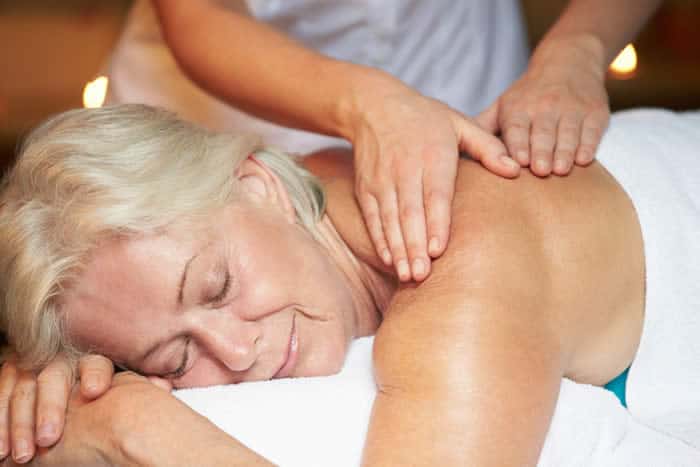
(325, 350)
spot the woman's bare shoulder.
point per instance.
(571, 243)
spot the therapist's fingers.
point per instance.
(594, 126)
(54, 384)
(542, 140)
(8, 380)
(22, 418)
(413, 224)
(438, 192)
(516, 135)
(388, 205)
(568, 135)
(96, 373)
(373, 221)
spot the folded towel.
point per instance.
(310, 422)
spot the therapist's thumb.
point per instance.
(488, 119)
(484, 147)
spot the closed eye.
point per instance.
(180, 370)
(224, 289)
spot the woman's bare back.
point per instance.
(578, 236)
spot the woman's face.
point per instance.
(250, 296)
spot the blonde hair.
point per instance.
(121, 170)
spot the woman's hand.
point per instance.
(406, 151)
(134, 423)
(92, 428)
(556, 113)
(33, 405)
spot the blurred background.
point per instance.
(50, 49)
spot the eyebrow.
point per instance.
(183, 279)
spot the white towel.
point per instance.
(320, 422)
(656, 157)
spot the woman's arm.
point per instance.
(468, 365)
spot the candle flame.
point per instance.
(95, 92)
(626, 61)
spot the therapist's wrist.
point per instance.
(582, 51)
(365, 88)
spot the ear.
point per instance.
(262, 184)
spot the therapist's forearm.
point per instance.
(609, 24)
(262, 71)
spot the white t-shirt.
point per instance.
(463, 52)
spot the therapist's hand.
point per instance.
(555, 115)
(406, 151)
(33, 405)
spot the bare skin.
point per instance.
(533, 287)
(539, 282)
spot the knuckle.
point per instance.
(517, 121)
(550, 100)
(409, 211)
(24, 391)
(4, 403)
(52, 376)
(436, 196)
(415, 249)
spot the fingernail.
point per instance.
(542, 165)
(522, 157)
(46, 432)
(90, 383)
(418, 267)
(434, 246)
(386, 257)
(22, 450)
(561, 165)
(509, 162)
(402, 268)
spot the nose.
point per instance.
(232, 341)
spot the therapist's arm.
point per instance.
(556, 113)
(405, 144)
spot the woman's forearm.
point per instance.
(257, 69)
(137, 424)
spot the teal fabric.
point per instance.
(618, 386)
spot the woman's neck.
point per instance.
(343, 229)
(370, 290)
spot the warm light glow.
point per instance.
(95, 92)
(626, 62)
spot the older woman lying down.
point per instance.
(202, 258)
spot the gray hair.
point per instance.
(89, 174)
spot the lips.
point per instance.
(291, 355)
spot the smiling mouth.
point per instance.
(290, 358)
